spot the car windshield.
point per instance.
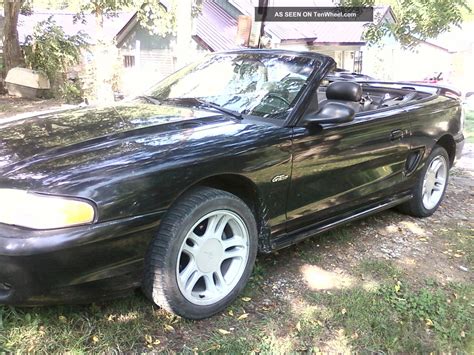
(265, 85)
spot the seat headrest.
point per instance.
(344, 90)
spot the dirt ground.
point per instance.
(419, 247)
(12, 106)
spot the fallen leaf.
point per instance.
(298, 327)
(463, 335)
(231, 313)
(243, 316)
(95, 339)
(343, 311)
(213, 347)
(397, 287)
(169, 328)
(223, 331)
(62, 319)
(429, 322)
(148, 339)
(246, 299)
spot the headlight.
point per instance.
(25, 209)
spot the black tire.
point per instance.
(415, 206)
(160, 282)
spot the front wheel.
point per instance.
(431, 187)
(203, 254)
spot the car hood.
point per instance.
(25, 141)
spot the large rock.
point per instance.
(27, 83)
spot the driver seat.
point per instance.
(344, 92)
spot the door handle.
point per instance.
(396, 135)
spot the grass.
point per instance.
(394, 316)
(460, 245)
(385, 309)
(380, 270)
(121, 325)
(308, 250)
(469, 126)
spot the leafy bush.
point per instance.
(71, 92)
(52, 51)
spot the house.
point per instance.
(451, 53)
(145, 58)
(459, 43)
(342, 41)
(148, 57)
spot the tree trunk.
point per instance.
(12, 55)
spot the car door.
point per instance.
(340, 167)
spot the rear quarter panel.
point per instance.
(431, 120)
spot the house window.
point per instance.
(128, 61)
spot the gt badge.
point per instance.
(280, 178)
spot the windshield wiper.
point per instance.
(207, 104)
(218, 107)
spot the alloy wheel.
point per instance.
(434, 182)
(212, 257)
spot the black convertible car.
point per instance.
(177, 190)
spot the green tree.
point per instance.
(416, 20)
(153, 15)
(52, 51)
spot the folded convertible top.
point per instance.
(437, 89)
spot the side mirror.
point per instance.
(331, 112)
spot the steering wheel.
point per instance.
(276, 96)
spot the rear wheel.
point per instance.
(203, 254)
(431, 186)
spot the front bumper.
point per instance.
(74, 265)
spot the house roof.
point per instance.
(215, 28)
(322, 32)
(315, 32)
(112, 25)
